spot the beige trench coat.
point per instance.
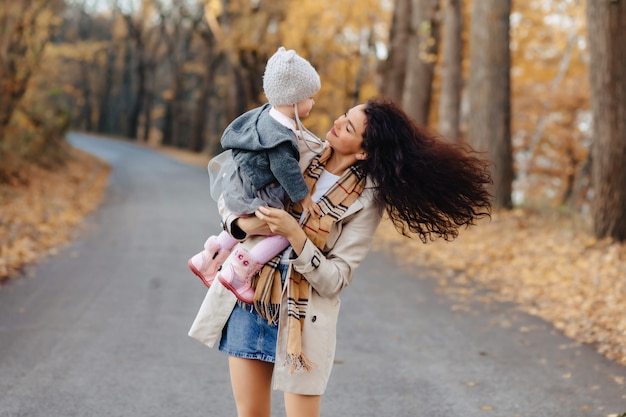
(348, 243)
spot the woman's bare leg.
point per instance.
(297, 405)
(252, 386)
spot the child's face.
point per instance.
(305, 106)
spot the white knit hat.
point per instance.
(289, 78)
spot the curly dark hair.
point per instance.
(428, 186)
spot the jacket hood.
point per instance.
(255, 130)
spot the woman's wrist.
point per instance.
(297, 240)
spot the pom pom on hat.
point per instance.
(289, 78)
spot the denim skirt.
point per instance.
(248, 335)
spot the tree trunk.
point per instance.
(172, 130)
(140, 37)
(126, 95)
(239, 99)
(21, 47)
(607, 47)
(489, 90)
(104, 113)
(451, 74)
(147, 115)
(167, 125)
(196, 141)
(422, 48)
(135, 111)
(85, 121)
(393, 71)
(203, 104)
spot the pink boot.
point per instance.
(206, 263)
(238, 275)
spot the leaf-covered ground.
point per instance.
(546, 263)
(38, 218)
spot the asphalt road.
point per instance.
(101, 329)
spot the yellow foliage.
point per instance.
(550, 94)
(85, 51)
(549, 97)
(341, 49)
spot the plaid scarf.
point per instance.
(268, 292)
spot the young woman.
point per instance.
(376, 159)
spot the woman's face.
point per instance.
(346, 135)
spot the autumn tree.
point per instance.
(607, 41)
(393, 69)
(212, 58)
(30, 131)
(81, 42)
(452, 69)
(144, 39)
(550, 98)
(177, 24)
(88, 59)
(237, 38)
(489, 89)
(108, 120)
(343, 50)
(26, 29)
(422, 47)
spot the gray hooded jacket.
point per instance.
(266, 152)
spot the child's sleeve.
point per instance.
(284, 166)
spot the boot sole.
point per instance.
(232, 289)
(198, 274)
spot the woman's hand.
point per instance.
(282, 223)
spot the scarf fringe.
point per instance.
(269, 311)
(298, 361)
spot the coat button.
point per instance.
(313, 319)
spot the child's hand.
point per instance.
(309, 207)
